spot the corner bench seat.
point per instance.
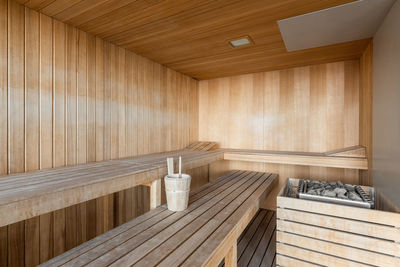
(202, 235)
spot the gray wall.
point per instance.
(386, 106)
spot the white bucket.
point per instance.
(177, 190)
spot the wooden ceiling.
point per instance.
(191, 36)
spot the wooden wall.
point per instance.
(313, 109)
(67, 98)
(366, 110)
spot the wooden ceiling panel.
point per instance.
(88, 10)
(84, 11)
(258, 62)
(168, 14)
(205, 44)
(109, 15)
(58, 6)
(200, 24)
(191, 36)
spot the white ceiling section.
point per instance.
(354, 21)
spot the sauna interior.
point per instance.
(284, 113)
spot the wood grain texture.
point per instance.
(55, 225)
(351, 152)
(256, 246)
(231, 257)
(198, 236)
(345, 235)
(32, 124)
(307, 109)
(366, 110)
(191, 36)
(16, 120)
(293, 158)
(67, 97)
(3, 116)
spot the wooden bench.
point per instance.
(26, 195)
(202, 146)
(202, 235)
(256, 245)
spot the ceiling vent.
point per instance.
(241, 41)
(349, 22)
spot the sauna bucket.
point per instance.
(177, 190)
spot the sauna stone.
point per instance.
(333, 189)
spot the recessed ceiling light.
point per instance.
(241, 41)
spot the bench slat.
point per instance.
(269, 241)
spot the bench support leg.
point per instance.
(155, 194)
(231, 257)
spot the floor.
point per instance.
(256, 245)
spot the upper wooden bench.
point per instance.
(202, 235)
(202, 146)
(26, 195)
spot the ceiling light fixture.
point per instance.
(241, 41)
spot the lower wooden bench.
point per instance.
(256, 245)
(202, 235)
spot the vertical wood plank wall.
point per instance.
(67, 98)
(366, 110)
(313, 108)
